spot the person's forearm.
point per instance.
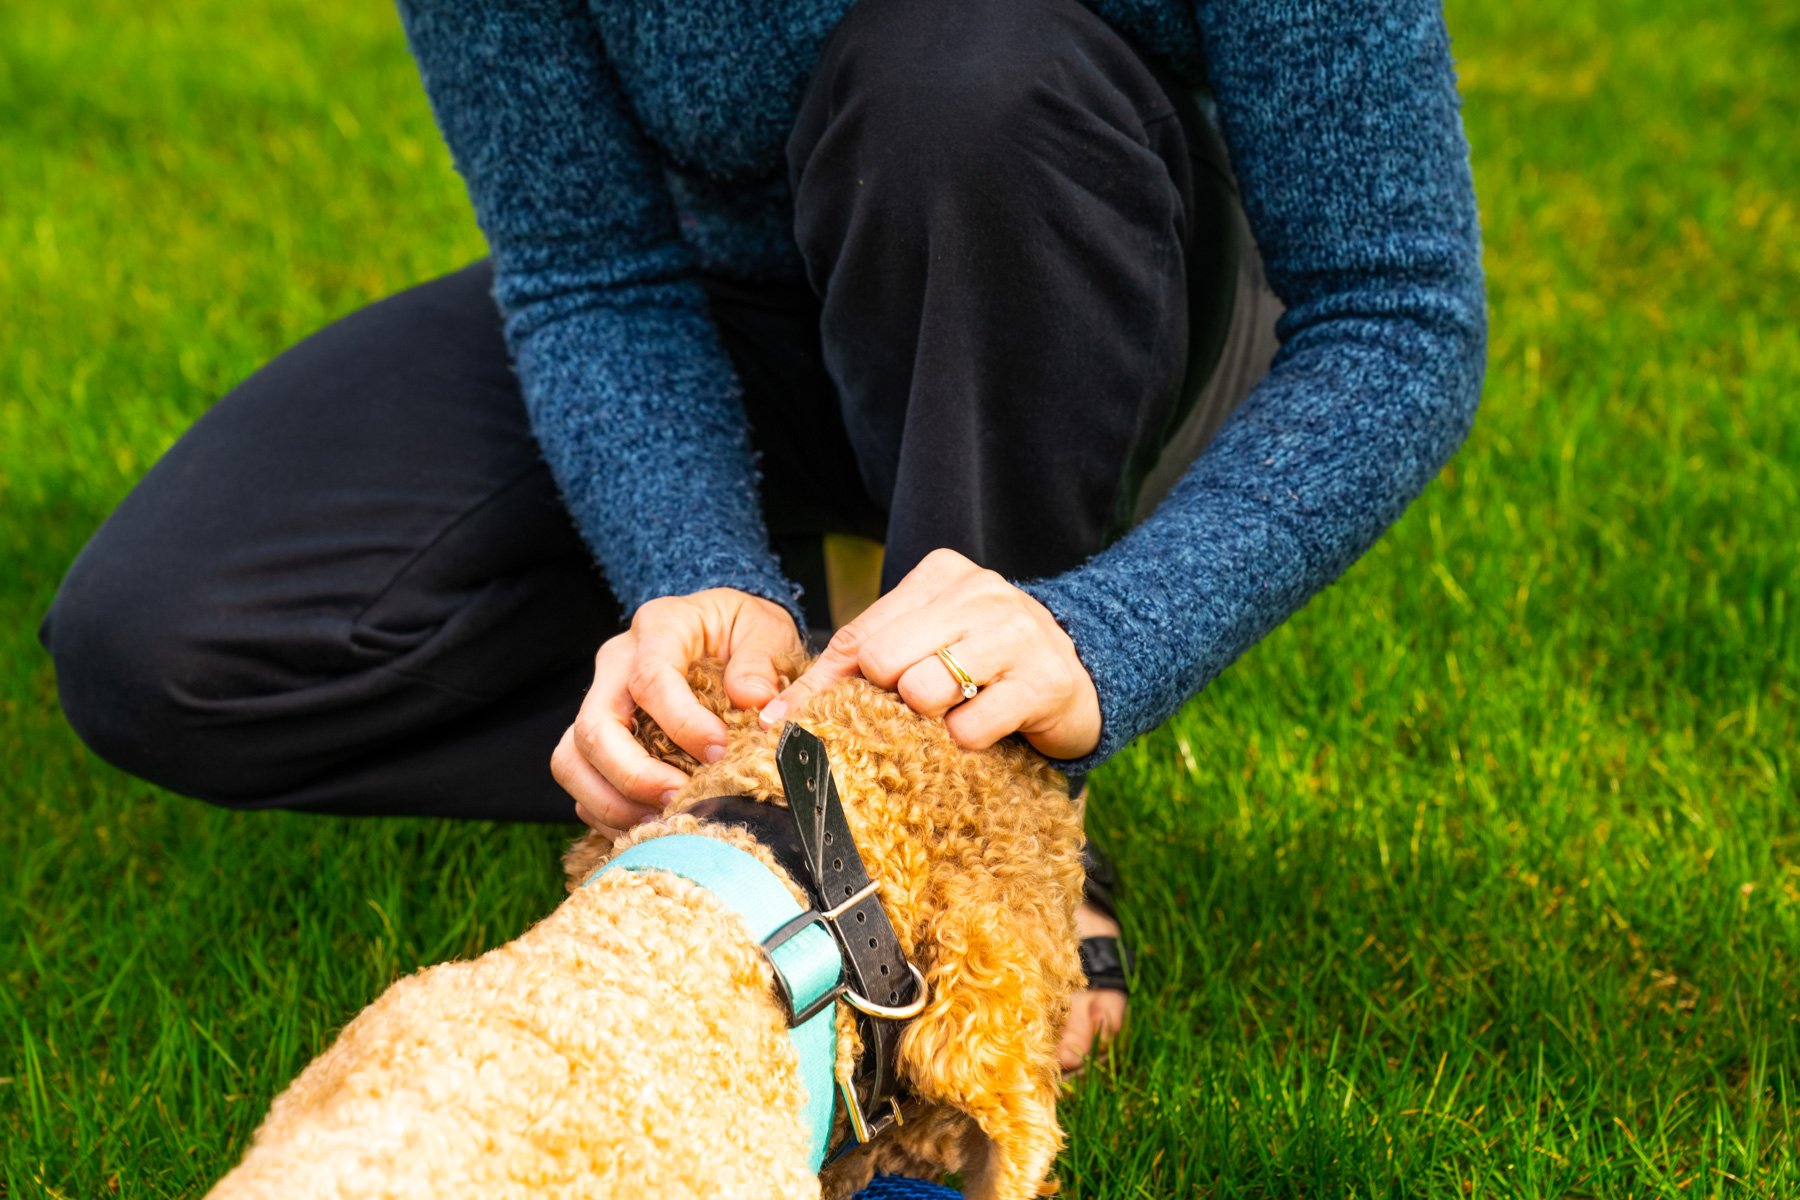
(629, 391)
(638, 415)
(1259, 525)
(1344, 133)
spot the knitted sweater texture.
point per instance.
(615, 151)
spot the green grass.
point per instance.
(1479, 878)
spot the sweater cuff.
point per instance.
(1112, 648)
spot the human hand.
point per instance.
(614, 780)
(1032, 681)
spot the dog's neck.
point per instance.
(771, 825)
(978, 858)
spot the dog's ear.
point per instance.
(1000, 982)
(707, 680)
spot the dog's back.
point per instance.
(630, 1044)
(627, 1045)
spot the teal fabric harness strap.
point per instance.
(807, 961)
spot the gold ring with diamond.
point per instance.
(962, 677)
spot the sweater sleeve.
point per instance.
(629, 393)
(1343, 125)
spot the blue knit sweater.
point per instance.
(614, 151)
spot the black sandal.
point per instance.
(1105, 960)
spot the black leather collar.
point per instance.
(770, 824)
(811, 839)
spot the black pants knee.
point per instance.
(351, 586)
(993, 201)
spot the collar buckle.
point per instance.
(875, 963)
(786, 932)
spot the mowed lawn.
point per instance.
(1479, 878)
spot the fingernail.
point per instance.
(773, 711)
(668, 798)
(714, 752)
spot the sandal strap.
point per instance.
(1106, 961)
(1102, 882)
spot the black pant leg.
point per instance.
(810, 484)
(350, 587)
(993, 200)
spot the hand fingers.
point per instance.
(597, 802)
(598, 826)
(601, 735)
(1002, 708)
(838, 661)
(656, 680)
(612, 833)
(931, 690)
(987, 635)
(914, 637)
(840, 658)
(607, 745)
(1024, 705)
(752, 678)
(979, 615)
(997, 635)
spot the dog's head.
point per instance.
(978, 857)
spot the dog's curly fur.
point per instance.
(630, 1044)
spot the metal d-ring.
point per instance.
(905, 1012)
(863, 1004)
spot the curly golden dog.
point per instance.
(631, 1044)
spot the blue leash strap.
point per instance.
(808, 967)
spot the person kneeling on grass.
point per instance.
(970, 278)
